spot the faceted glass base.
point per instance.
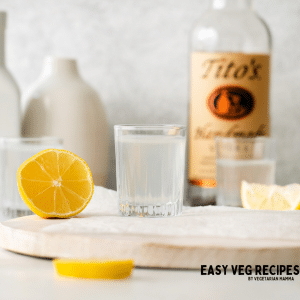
(200, 196)
(150, 211)
(15, 213)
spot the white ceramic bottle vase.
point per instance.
(61, 104)
(9, 93)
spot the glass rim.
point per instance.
(44, 139)
(246, 139)
(149, 126)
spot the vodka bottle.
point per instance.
(229, 88)
(9, 93)
(61, 104)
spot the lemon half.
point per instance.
(55, 183)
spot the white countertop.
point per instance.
(23, 277)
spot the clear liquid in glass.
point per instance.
(151, 174)
(231, 173)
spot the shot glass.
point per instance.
(238, 159)
(150, 163)
(14, 151)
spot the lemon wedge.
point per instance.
(95, 269)
(270, 197)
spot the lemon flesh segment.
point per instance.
(270, 197)
(55, 183)
(94, 269)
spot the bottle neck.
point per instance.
(60, 67)
(232, 4)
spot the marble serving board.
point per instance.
(200, 236)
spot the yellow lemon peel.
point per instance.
(95, 269)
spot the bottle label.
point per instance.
(229, 98)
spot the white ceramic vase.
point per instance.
(61, 104)
(9, 93)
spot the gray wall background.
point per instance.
(135, 54)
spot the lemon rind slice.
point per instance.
(94, 269)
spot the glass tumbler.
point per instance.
(150, 163)
(238, 159)
(14, 151)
